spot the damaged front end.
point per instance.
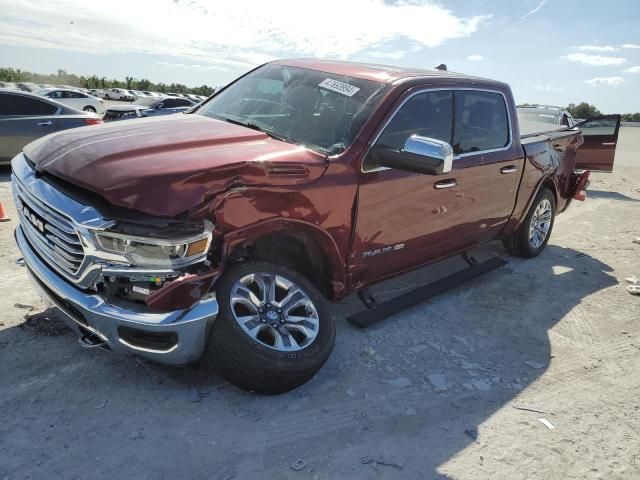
(128, 286)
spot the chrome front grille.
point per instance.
(50, 233)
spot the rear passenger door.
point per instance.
(600, 139)
(487, 166)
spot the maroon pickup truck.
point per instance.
(222, 232)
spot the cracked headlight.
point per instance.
(143, 251)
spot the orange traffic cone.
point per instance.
(3, 214)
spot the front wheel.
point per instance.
(273, 332)
(533, 234)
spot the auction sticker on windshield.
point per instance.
(339, 87)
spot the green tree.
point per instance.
(583, 110)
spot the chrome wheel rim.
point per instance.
(540, 223)
(274, 311)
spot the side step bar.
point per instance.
(383, 310)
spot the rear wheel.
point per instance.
(532, 235)
(273, 332)
(89, 109)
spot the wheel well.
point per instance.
(551, 186)
(297, 251)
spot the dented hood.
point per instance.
(170, 165)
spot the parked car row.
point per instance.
(26, 116)
(121, 94)
(132, 95)
(148, 107)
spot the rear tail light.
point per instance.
(92, 121)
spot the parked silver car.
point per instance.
(25, 117)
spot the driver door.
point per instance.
(598, 151)
(404, 218)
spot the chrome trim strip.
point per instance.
(456, 157)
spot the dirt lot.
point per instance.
(453, 388)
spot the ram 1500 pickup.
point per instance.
(222, 232)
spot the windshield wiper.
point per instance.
(255, 126)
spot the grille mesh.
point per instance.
(51, 234)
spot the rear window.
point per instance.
(481, 121)
(21, 105)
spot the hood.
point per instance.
(166, 166)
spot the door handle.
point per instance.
(445, 184)
(509, 169)
(608, 144)
(44, 124)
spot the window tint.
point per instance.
(481, 121)
(20, 105)
(168, 103)
(56, 94)
(426, 114)
(599, 126)
(183, 103)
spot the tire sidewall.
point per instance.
(228, 339)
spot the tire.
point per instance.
(523, 242)
(89, 109)
(253, 361)
(107, 97)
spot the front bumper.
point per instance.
(89, 314)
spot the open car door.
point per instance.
(600, 139)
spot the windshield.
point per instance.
(317, 109)
(534, 116)
(145, 101)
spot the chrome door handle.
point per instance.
(509, 169)
(44, 124)
(608, 144)
(445, 184)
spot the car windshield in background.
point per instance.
(145, 101)
(534, 116)
(320, 110)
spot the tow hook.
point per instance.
(91, 340)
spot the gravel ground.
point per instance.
(454, 388)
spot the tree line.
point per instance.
(586, 110)
(62, 77)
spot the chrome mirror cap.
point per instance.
(431, 147)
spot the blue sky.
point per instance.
(553, 51)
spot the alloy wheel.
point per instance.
(274, 311)
(540, 223)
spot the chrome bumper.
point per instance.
(88, 313)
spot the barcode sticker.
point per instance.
(339, 87)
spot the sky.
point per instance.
(550, 51)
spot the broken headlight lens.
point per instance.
(145, 251)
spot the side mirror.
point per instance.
(158, 106)
(424, 155)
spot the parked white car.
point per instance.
(74, 99)
(118, 94)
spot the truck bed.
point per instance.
(530, 129)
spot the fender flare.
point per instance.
(323, 240)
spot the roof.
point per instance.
(375, 72)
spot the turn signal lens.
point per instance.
(92, 121)
(197, 247)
